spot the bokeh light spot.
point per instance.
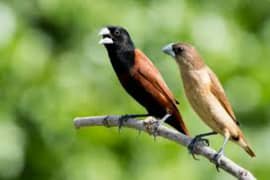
(244, 93)
(11, 150)
(8, 24)
(210, 32)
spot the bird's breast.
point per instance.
(197, 89)
(196, 82)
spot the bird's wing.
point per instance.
(150, 78)
(149, 73)
(218, 91)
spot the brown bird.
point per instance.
(140, 78)
(207, 97)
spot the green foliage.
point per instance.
(52, 70)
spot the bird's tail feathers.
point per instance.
(243, 143)
(177, 122)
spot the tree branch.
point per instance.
(113, 121)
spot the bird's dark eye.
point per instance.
(117, 32)
(178, 50)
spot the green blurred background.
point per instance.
(52, 69)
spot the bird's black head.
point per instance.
(116, 38)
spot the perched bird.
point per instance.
(140, 78)
(207, 97)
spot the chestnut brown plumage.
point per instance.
(140, 78)
(206, 95)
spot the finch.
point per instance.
(140, 78)
(207, 97)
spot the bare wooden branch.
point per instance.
(113, 121)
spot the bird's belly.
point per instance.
(143, 97)
(209, 109)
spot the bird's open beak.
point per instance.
(168, 49)
(106, 36)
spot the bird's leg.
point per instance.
(198, 138)
(218, 155)
(164, 118)
(125, 117)
(157, 125)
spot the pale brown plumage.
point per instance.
(217, 89)
(206, 94)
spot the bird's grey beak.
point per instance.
(106, 36)
(168, 49)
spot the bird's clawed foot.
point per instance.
(106, 121)
(193, 144)
(122, 119)
(151, 125)
(216, 158)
